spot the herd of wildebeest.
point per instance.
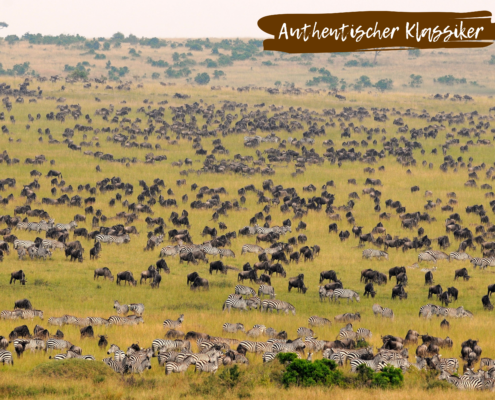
(160, 129)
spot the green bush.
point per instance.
(155, 75)
(17, 69)
(218, 73)
(100, 56)
(351, 63)
(416, 80)
(388, 378)
(306, 373)
(202, 79)
(492, 60)
(414, 52)
(450, 80)
(384, 84)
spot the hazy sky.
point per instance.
(187, 18)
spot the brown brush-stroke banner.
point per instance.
(432, 29)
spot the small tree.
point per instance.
(155, 75)
(278, 83)
(202, 79)
(218, 73)
(414, 53)
(106, 46)
(492, 60)
(384, 84)
(3, 25)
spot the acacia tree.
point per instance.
(3, 25)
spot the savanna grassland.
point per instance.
(60, 287)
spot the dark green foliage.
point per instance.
(3, 25)
(177, 73)
(93, 44)
(361, 343)
(230, 377)
(210, 63)
(416, 80)
(133, 52)
(384, 84)
(154, 43)
(11, 39)
(106, 46)
(286, 358)
(155, 75)
(100, 56)
(116, 73)
(492, 60)
(59, 40)
(118, 37)
(268, 63)
(17, 69)
(157, 63)
(306, 373)
(224, 60)
(278, 83)
(202, 79)
(218, 73)
(450, 80)
(351, 63)
(388, 378)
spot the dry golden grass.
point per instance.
(59, 287)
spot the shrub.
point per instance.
(416, 80)
(414, 52)
(450, 80)
(492, 60)
(133, 52)
(306, 373)
(388, 378)
(100, 56)
(155, 75)
(17, 69)
(351, 63)
(384, 84)
(202, 79)
(224, 60)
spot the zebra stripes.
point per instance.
(117, 366)
(6, 357)
(233, 328)
(318, 321)
(459, 256)
(169, 251)
(67, 227)
(375, 365)
(282, 230)
(371, 253)
(122, 309)
(226, 253)
(252, 248)
(244, 290)
(118, 320)
(136, 308)
(119, 355)
(23, 244)
(345, 294)
(482, 262)
(173, 324)
(278, 305)
(266, 290)
(112, 239)
(176, 367)
(57, 344)
(235, 301)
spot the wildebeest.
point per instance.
(23, 304)
(192, 277)
(330, 275)
(298, 283)
(19, 276)
(218, 266)
(461, 273)
(200, 283)
(127, 277)
(105, 272)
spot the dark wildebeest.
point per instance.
(105, 272)
(218, 266)
(331, 275)
(18, 276)
(453, 292)
(396, 271)
(188, 257)
(127, 277)
(23, 304)
(461, 273)
(435, 290)
(398, 291)
(156, 281)
(429, 278)
(280, 256)
(251, 275)
(369, 290)
(87, 331)
(192, 277)
(487, 305)
(298, 282)
(162, 264)
(200, 283)
(278, 269)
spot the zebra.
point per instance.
(375, 365)
(29, 314)
(57, 344)
(136, 308)
(446, 364)
(170, 251)
(387, 313)
(426, 256)
(277, 305)
(314, 344)
(347, 334)
(117, 366)
(22, 226)
(138, 366)
(388, 355)
(175, 367)
(256, 331)
(364, 333)
(233, 328)
(428, 310)
(462, 382)
(81, 322)
(401, 363)
(209, 249)
(67, 227)
(97, 321)
(346, 294)
(256, 347)
(487, 362)
(71, 354)
(273, 250)
(439, 255)
(459, 256)
(6, 357)
(303, 332)
(31, 344)
(288, 347)
(117, 320)
(226, 253)
(45, 226)
(171, 324)
(369, 253)
(112, 239)
(165, 356)
(318, 321)
(59, 357)
(119, 355)
(235, 301)
(252, 248)
(23, 244)
(480, 262)
(159, 344)
(357, 353)
(266, 290)
(244, 290)
(121, 308)
(52, 244)
(6, 314)
(57, 321)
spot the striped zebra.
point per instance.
(117, 366)
(57, 321)
(278, 305)
(244, 290)
(39, 252)
(273, 250)
(357, 353)
(318, 321)
(233, 328)
(252, 248)
(313, 344)
(45, 226)
(338, 357)
(345, 294)
(256, 331)
(22, 226)
(459, 256)
(57, 344)
(364, 333)
(387, 313)
(375, 365)
(97, 321)
(235, 301)
(30, 344)
(52, 244)
(71, 354)
(82, 322)
(208, 366)
(29, 314)
(26, 244)
(266, 290)
(401, 363)
(480, 262)
(59, 357)
(450, 365)
(371, 253)
(303, 332)
(138, 367)
(67, 227)
(6, 314)
(462, 382)
(165, 356)
(428, 310)
(136, 308)
(118, 320)
(176, 367)
(207, 248)
(173, 324)
(169, 251)
(119, 355)
(388, 355)
(439, 255)
(156, 239)
(226, 253)
(6, 357)
(159, 344)
(112, 239)
(426, 256)
(256, 347)
(289, 347)
(122, 309)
